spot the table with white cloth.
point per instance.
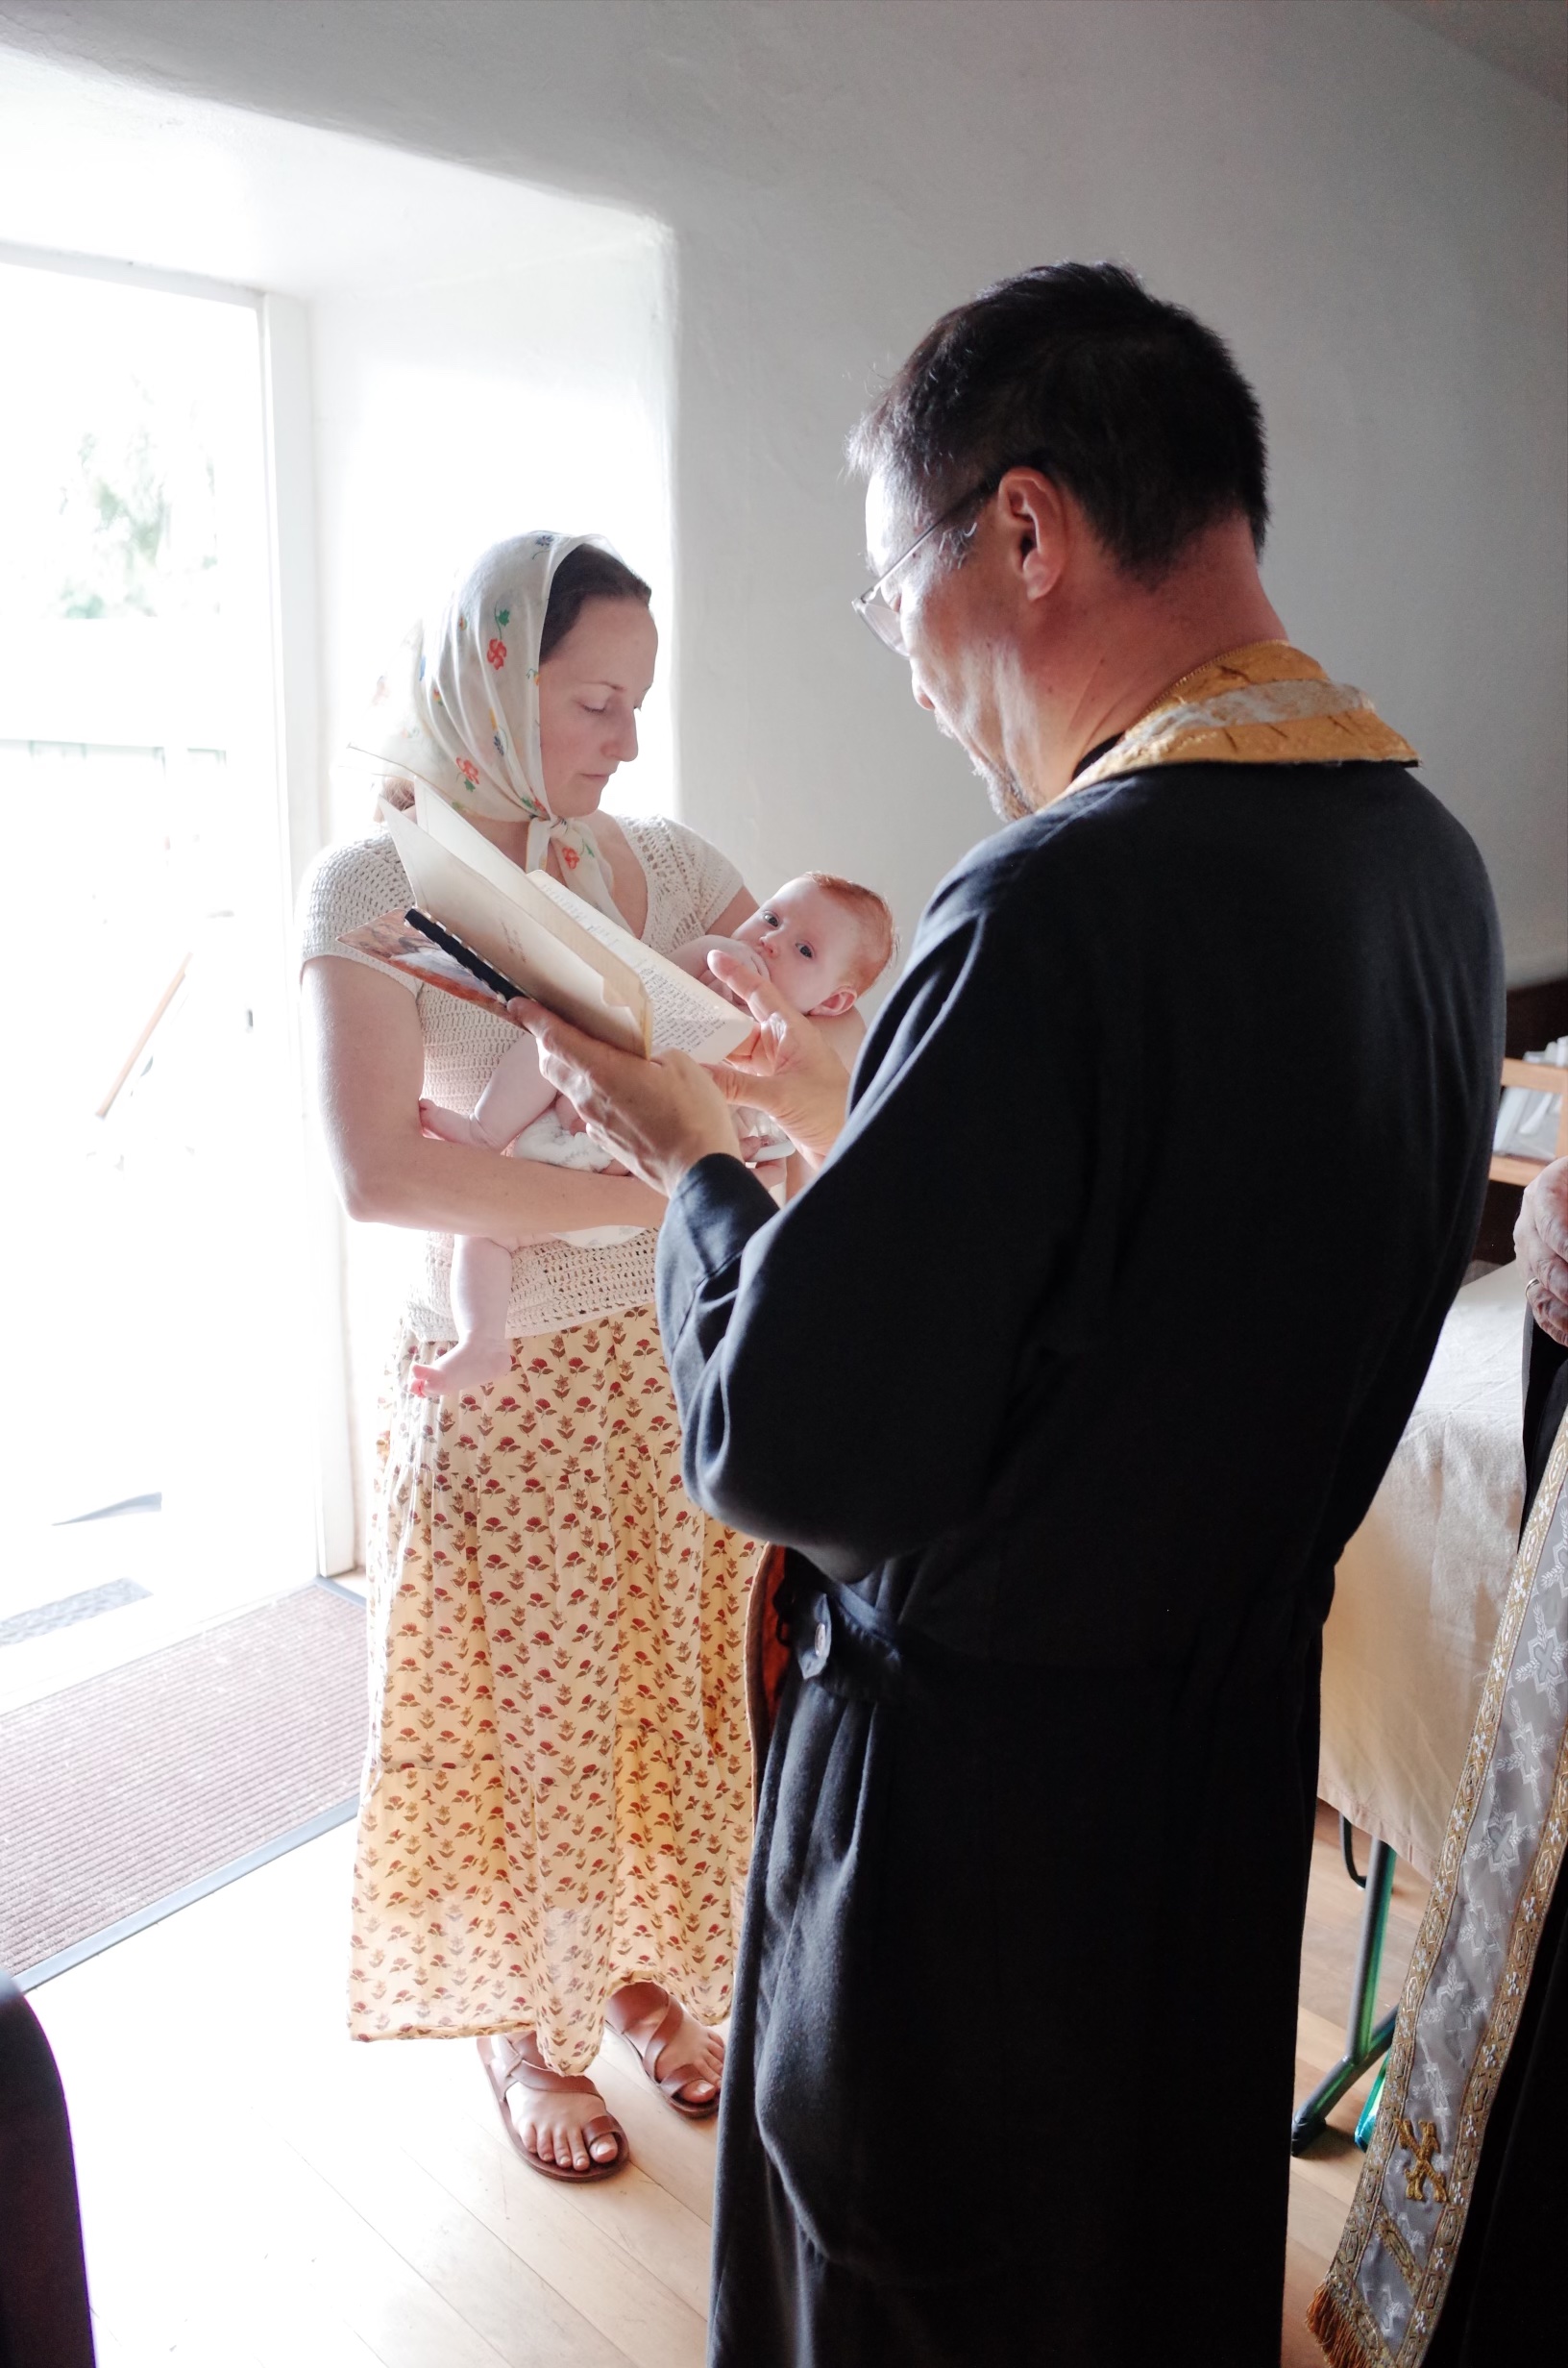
(1417, 1596)
(1420, 1585)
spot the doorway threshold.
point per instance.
(32, 1977)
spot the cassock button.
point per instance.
(813, 1654)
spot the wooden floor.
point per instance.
(1323, 2181)
(257, 2193)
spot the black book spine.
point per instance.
(484, 972)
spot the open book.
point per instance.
(501, 931)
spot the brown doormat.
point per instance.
(121, 1796)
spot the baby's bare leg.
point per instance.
(515, 1096)
(482, 1284)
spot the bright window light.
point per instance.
(141, 806)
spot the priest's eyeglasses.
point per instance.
(873, 604)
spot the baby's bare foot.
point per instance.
(470, 1366)
(446, 1125)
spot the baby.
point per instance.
(819, 940)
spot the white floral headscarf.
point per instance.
(460, 710)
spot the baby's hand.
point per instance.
(735, 955)
(573, 1120)
(737, 952)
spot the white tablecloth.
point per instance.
(1421, 1584)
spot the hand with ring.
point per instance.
(1540, 1240)
(661, 1117)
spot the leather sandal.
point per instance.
(650, 2039)
(507, 2068)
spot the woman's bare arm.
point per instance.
(368, 1053)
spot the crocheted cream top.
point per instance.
(554, 1284)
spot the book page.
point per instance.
(497, 907)
(688, 1017)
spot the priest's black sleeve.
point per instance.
(843, 1368)
(1546, 1403)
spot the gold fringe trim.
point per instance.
(1342, 2345)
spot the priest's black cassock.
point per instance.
(1065, 1384)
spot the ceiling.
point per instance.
(1528, 38)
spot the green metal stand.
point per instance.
(1369, 2110)
(1364, 2040)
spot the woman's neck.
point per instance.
(627, 884)
(511, 838)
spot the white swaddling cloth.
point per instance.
(548, 1138)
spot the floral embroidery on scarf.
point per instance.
(477, 658)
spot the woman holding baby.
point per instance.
(555, 1818)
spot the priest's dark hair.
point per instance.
(1127, 403)
(586, 574)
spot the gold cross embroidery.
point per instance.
(1423, 2165)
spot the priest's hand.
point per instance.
(1540, 1240)
(788, 1067)
(659, 1117)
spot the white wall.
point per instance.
(1374, 219)
(557, 374)
(449, 356)
(464, 357)
(555, 370)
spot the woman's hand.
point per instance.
(788, 1067)
(660, 1117)
(1540, 1240)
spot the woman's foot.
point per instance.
(683, 2059)
(558, 2122)
(469, 1365)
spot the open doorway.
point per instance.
(159, 1152)
(322, 375)
(174, 1692)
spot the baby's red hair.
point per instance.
(876, 938)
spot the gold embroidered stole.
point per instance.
(1502, 1856)
(1265, 705)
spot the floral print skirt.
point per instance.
(557, 1796)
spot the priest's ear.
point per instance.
(1035, 520)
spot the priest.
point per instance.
(1063, 1382)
